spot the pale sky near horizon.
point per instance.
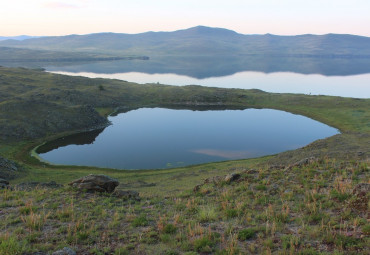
(282, 17)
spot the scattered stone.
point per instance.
(232, 177)
(276, 167)
(33, 185)
(303, 162)
(95, 183)
(250, 171)
(127, 194)
(65, 251)
(214, 180)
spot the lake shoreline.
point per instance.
(350, 116)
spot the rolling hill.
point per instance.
(205, 41)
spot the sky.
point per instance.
(281, 17)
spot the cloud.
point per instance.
(225, 153)
(61, 5)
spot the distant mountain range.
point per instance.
(203, 41)
(17, 38)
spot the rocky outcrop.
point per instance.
(8, 169)
(95, 183)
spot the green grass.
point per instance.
(304, 220)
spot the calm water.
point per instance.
(357, 86)
(151, 138)
(336, 77)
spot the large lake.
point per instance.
(335, 77)
(151, 138)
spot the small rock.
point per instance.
(232, 177)
(95, 183)
(127, 194)
(65, 251)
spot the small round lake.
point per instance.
(153, 138)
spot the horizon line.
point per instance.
(183, 29)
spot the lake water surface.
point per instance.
(151, 138)
(317, 76)
(357, 86)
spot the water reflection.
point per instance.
(206, 67)
(77, 139)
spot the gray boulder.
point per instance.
(95, 183)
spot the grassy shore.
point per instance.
(276, 206)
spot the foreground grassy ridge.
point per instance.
(306, 209)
